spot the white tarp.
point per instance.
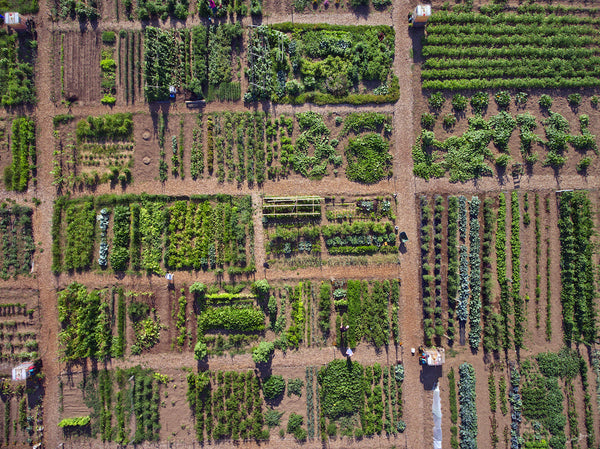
(436, 409)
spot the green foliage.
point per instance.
(109, 37)
(327, 71)
(295, 387)
(263, 352)
(341, 388)
(574, 100)
(436, 101)
(427, 121)
(369, 160)
(479, 102)
(273, 387)
(452, 395)
(16, 175)
(545, 101)
(74, 422)
(17, 82)
(85, 320)
(118, 127)
(502, 99)
(462, 53)
(449, 120)
(459, 102)
(18, 247)
(272, 418)
(578, 294)
(468, 411)
(240, 319)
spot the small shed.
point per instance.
(432, 356)
(23, 371)
(421, 15)
(14, 20)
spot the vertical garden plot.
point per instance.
(17, 78)
(475, 274)
(18, 246)
(515, 251)
(576, 251)
(226, 406)
(322, 64)
(24, 156)
(452, 274)
(542, 394)
(204, 63)
(505, 303)
(19, 325)
(468, 410)
(101, 153)
(108, 68)
(93, 322)
(491, 320)
(78, 62)
(427, 276)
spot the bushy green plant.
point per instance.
(263, 352)
(427, 121)
(574, 100)
(295, 387)
(479, 102)
(459, 102)
(545, 101)
(273, 387)
(502, 99)
(449, 120)
(436, 101)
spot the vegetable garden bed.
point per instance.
(156, 233)
(322, 64)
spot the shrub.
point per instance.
(502, 99)
(459, 102)
(273, 387)
(200, 350)
(574, 100)
(109, 37)
(263, 352)
(427, 121)
(295, 387)
(272, 418)
(545, 101)
(436, 101)
(521, 98)
(583, 164)
(449, 120)
(594, 100)
(479, 102)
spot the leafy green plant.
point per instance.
(502, 99)
(459, 102)
(295, 387)
(479, 102)
(449, 120)
(369, 160)
(574, 100)
(263, 352)
(427, 121)
(273, 387)
(545, 101)
(436, 101)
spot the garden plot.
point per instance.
(536, 47)
(477, 282)
(204, 61)
(153, 234)
(19, 327)
(92, 151)
(350, 232)
(322, 64)
(18, 246)
(17, 144)
(76, 66)
(23, 412)
(130, 86)
(506, 134)
(17, 74)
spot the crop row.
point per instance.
(468, 410)
(23, 164)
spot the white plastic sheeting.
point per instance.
(436, 409)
